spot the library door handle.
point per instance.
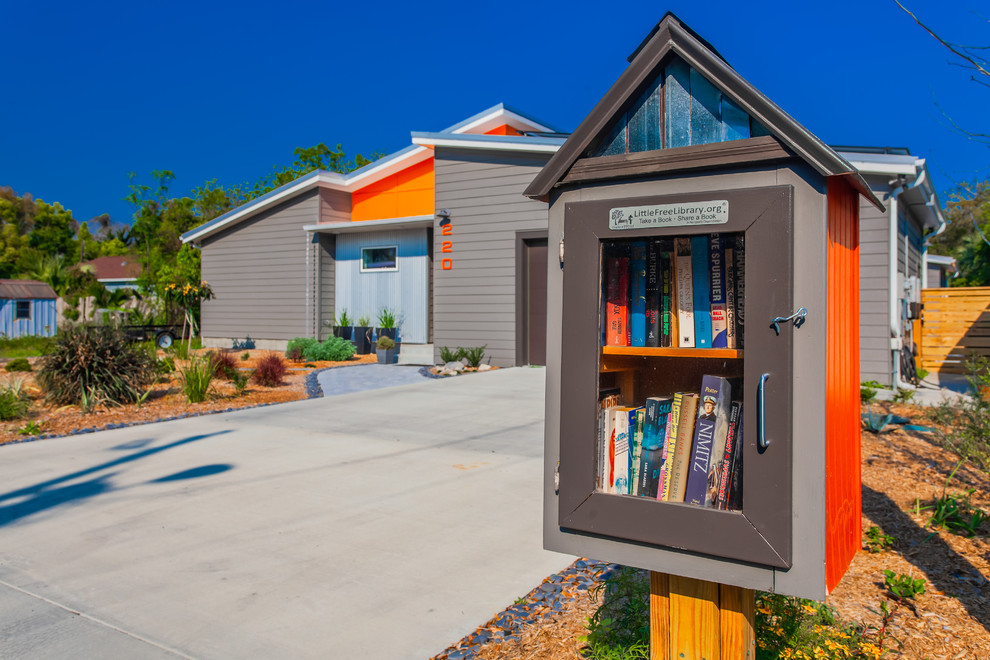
(761, 429)
(798, 317)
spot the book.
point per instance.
(739, 263)
(617, 307)
(608, 399)
(679, 453)
(670, 445)
(716, 288)
(711, 426)
(667, 305)
(637, 294)
(636, 417)
(735, 497)
(654, 426)
(653, 277)
(730, 300)
(620, 473)
(731, 448)
(702, 294)
(685, 292)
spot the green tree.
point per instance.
(965, 237)
(53, 230)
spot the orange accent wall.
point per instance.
(406, 193)
(504, 129)
(843, 490)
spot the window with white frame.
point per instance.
(379, 258)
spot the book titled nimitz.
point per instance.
(709, 441)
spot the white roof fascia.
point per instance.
(883, 168)
(364, 225)
(468, 143)
(372, 172)
(940, 259)
(498, 117)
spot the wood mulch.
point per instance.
(951, 620)
(166, 399)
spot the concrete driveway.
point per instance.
(383, 524)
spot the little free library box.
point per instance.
(703, 342)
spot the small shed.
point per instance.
(27, 307)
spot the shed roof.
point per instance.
(26, 289)
(115, 268)
(671, 36)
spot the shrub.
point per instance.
(969, 434)
(196, 378)
(240, 380)
(385, 343)
(245, 356)
(364, 322)
(18, 364)
(14, 403)
(447, 355)
(296, 349)
(473, 355)
(271, 369)
(224, 365)
(386, 318)
(334, 349)
(344, 321)
(164, 366)
(90, 365)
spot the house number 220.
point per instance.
(446, 247)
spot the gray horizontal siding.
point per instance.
(874, 292)
(257, 270)
(335, 205)
(475, 302)
(327, 272)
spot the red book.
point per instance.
(617, 305)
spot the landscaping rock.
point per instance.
(484, 367)
(456, 366)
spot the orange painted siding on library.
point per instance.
(843, 495)
(400, 195)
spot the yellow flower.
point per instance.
(763, 609)
(810, 609)
(819, 652)
(788, 653)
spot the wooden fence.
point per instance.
(955, 323)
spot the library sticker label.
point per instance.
(715, 212)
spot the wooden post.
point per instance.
(698, 620)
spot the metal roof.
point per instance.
(26, 290)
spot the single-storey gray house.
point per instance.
(893, 252)
(939, 269)
(438, 232)
(27, 307)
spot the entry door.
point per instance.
(536, 300)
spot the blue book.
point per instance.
(702, 302)
(637, 317)
(654, 439)
(716, 265)
(711, 428)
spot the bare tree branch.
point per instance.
(959, 51)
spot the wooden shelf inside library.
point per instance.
(639, 351)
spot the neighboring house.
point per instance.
(116, 272)
(27, 307)
(438, 232)
(893, 253)
(939, 269)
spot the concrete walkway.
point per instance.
(354, 526)
(344, 380)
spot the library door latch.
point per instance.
(797, 317)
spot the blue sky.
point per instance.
(227, 90)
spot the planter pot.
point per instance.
(362, 339)
(386, 355)
(342, 332)
(386, 332)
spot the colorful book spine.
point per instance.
(735, 497)
(637, 449)
(655, 422)
(668, 310)
(679, 458)
(710, 430)
(620, 477)
(739, 259)
(617, 308)
(637, 316)
(716, 288)
(731, 449)
(608, 400)
(670, 447)
(685, 293)
(653, 277)
(730, 300)
(702, 297)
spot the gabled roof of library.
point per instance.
(672, 39)
(530, 134)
